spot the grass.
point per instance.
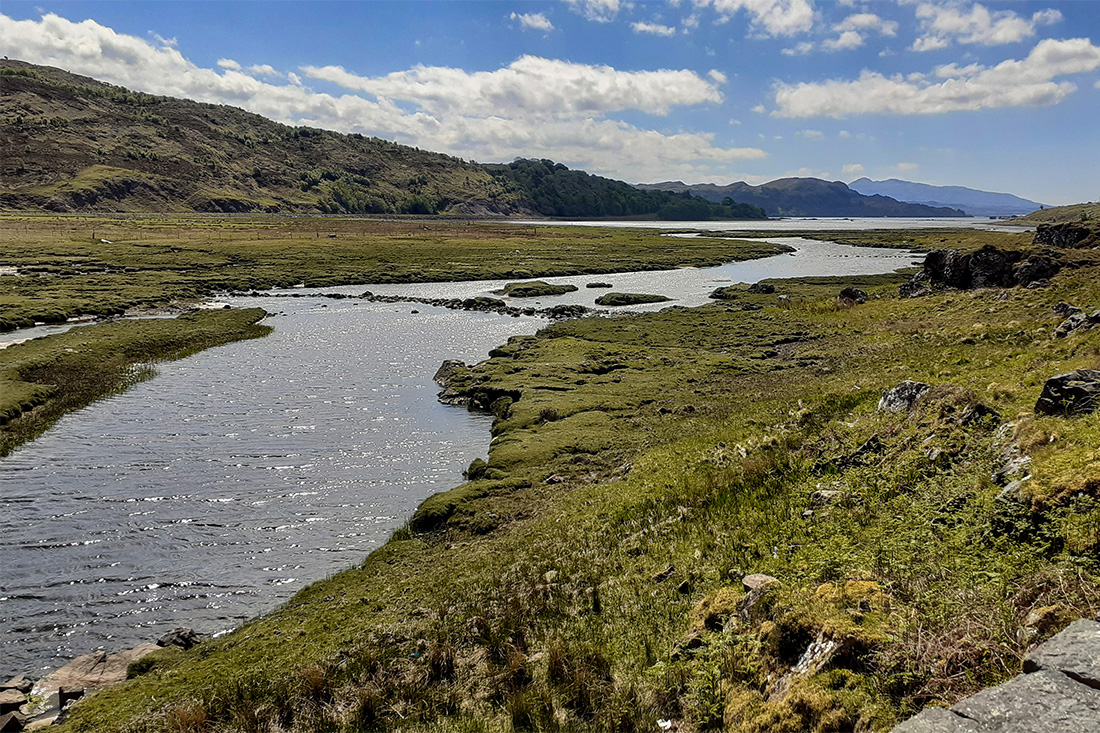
(42, 379)
(587, 577)
(75, 265)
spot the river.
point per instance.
(211, 493)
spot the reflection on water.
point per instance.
(211, 493)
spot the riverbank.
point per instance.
(603, 569)
(43, 379)
(54, 268)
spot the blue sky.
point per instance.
(998, 96)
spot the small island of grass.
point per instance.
(536, 289)
(629, 299)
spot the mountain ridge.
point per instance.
(974, 201)
(805, 197)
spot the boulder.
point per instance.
(12, 722)
(1073, 393)
(1076, 322)
(1041, 702)
(22, 683)
(1065, 309)
(98, 669)
(993, 268)
(1074, 652)
(852, 295)
(902, 396)
(182, 637)
(1063, 236)
(11, 700)
(446, 371)
(915, 288)
(762, 288)
(948, 267)
(1036, 268)
(938, 720)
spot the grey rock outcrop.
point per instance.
(902, 397)
(1073, 393)
(182, 637)
(852, 295)
(1075, 652)
(1064, 236)
(762, 288)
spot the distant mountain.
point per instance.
(972, 201)
(805, 197)
(555, 190)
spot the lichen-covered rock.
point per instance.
(1066, 236)
(1074, 652)
(852, 295)
(902, 397)
(1073, 393)
(1042, 702)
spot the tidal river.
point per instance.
(213, 492)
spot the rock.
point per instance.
(598, 285)
(1064, 236)
(1014, 492)
(824, 497)
(1015, 465)
(1065, 309)
(902, 397)
(758, 580)
(914, 289)
(181, 637)
(977, 413)
(11, 700)
(1075, 652)
(762, 288)
(1039, 284)
(938, 720)
(1073, 393)
(1042, 702)
(689, 643)
(619, 299)
(550, 576)
(446, 371)
(783, 301)
(993, 268)
(556, 478)
(66, 695)
(22, 683)
(91, 671)
(948, 267)
(1094, 317)
(12, 722)
(852, 295)
(821, 652)
(1076, 322)
(1036, 268)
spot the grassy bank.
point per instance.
(589, 575)
(42, 379)
(72, 266)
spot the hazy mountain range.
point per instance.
(973, 202)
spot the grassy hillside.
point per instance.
(71, 143)
(591, 574)
(1088, 212)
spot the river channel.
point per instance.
(214, 491)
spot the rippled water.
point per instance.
(211, 493)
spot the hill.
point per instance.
(972, 201)
(554, 190)
(1086, 212)
(805, 197)
(71, 143)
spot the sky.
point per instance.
(1000, 96)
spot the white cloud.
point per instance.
(600, 11)
(846, 41)
(799, 49)
(655, 29)
(532, 86)
(844, 135)
(852, 169)
(907, 167)
(771, 17)
(535, 107)
(717, 76)
(811, 134)
(1029, 82)
(533, 22)
(943, 23)
(690, 23)
(1097, 85)
(263, 70)
(867, 22)
(229, 64)
(759, 109)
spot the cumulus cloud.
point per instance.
(600, 11)
(852, 169)
(535, 107)
(770, 17)
(811, 134)
(533, 22)
(853, 32)
(799, 49)
(1029, 82)
(868, 22)
(717, 76)
(532, 86)
(942, 24)
(229, 64)
(845, 41)
(263, 70)
(655, 29)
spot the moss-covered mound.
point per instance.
(536, 289)
(630, 299)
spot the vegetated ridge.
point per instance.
(805, 197)
(71, 143)
(972, 201)
(1088, 212)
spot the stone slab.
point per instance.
(1042, 702)
(1075, 651)
(938, 720)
